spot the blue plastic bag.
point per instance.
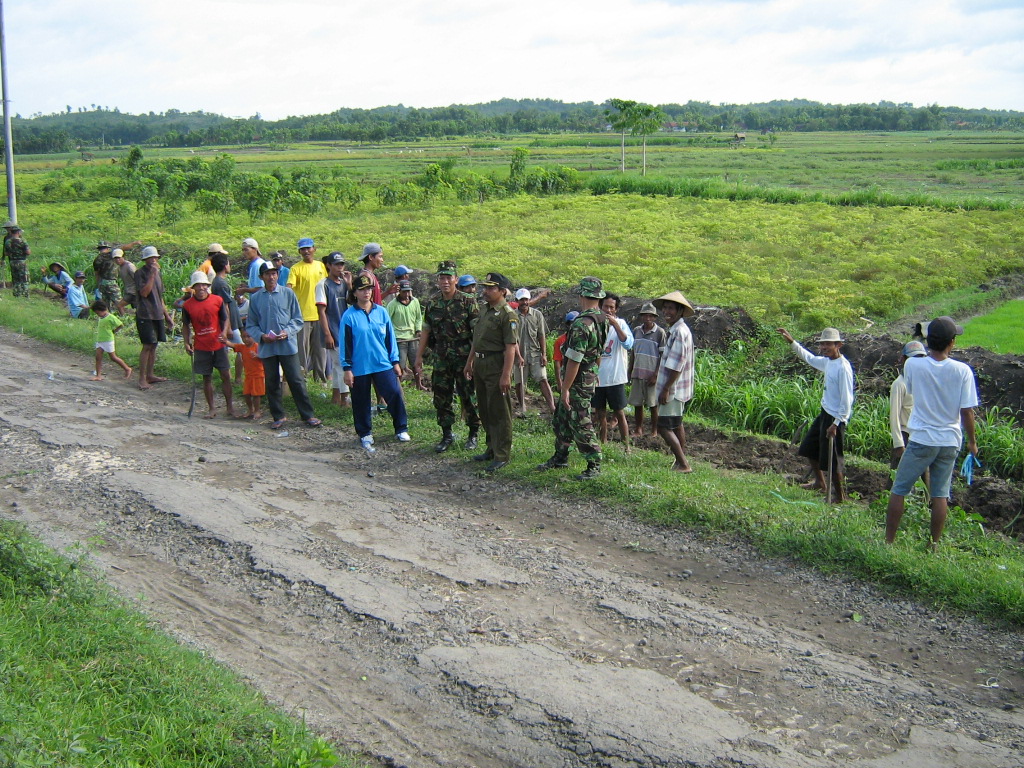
(967, 468)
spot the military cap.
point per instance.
(591, 287)
(498, 279)
(103, 244)
(447, 268)
(361, 282)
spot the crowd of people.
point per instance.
(484, 340)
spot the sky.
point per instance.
(303, 57)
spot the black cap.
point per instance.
(334, 257)
(943, 329)
(267, 266)
(498, 279)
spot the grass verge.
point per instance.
(86, 681)
(976, 571)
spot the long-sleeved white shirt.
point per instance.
(837, 401)
(901, 403)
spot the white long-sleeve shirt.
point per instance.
(837, 401)
(901, 403)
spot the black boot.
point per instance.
(487, 455)
(471, 440)
(593, 470)
(555, 462)
(447, 439)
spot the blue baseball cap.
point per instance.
(307, 242)
(466, 280)
(571, 316)
(401, 271)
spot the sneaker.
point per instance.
(367, 443)
(402, 437)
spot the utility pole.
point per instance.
(12, 204)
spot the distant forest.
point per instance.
(99, 126)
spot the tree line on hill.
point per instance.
(79, 128)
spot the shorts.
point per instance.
(643, 394)
(670, 415)
(814, 446)
(338, 378)
(204, 361)
(939, 459)
(150, 331)
(535, 371)
(613, 397)
(106, 346)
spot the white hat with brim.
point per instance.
(199, 278)
(830, 334)
(678, 298)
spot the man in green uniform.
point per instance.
(448, 321)
(16, 251)
(583, 345)
(106, 271)
(495, 340)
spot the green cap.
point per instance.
(447, 268)
(591, 287)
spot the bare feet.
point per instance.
(143, 386)
(156, 379)
(211, 415)
(128, 372)
(232, 414)
(684, 468)
(257, 416)
(97, 377)
(812, 487)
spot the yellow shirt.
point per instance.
(303, 279)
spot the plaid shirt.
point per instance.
(678, 356)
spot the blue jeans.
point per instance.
(938, 459)
(387, 388)
(272, 367)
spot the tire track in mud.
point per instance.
(432, 625)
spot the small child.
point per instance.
(107, 325)
(255, 382)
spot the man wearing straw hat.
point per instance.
(674, 385)
(822, 446)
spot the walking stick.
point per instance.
(831, 455)
(192, 404)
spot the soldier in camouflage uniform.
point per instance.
(16, 251)
(448, 321)
(572, 421)
(107, 271)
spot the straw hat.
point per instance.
(678, 298)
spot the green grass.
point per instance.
(86, 681)
(1001, 330)
(976, 571)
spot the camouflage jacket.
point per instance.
(584, 343)
(16, 249)
(105, 268)
(450, 323)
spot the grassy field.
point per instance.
(944, 164)
(86, 681)
(1001, 330)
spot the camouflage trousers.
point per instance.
(19, 276)
(110, 292)
(575, 425)
(447, 381)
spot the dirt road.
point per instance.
(434, 617)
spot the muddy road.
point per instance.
(430, 616)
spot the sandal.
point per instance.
(278, 423)
(314, 422)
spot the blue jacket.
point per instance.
(368, 341)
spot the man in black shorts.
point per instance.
(151, 316)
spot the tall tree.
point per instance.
(622, 120)
(647, 119)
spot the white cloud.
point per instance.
(281, 58)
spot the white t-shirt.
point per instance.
(940, 389)
(614, 366)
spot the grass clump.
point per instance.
(86, 681)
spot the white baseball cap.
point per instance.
(523, 293)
